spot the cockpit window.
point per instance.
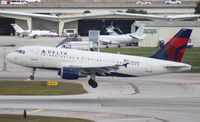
(20, 51)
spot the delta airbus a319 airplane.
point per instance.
(73, 64)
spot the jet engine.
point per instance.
(69, 73)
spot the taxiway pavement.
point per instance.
(168, 98)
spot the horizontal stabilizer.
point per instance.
(178, 68)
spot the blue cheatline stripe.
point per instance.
(116, 74)
(48, 68)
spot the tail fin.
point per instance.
(111, 31)
(175, 48)
(140, 31)
(17, 28)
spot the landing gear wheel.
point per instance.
(32, 77)
(119, 46)
(93, 83)
(33, 72)
(35, 36)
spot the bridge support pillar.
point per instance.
(60, 28)
(29, 23)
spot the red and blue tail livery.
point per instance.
(175, 48)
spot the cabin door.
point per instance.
(148, 67)
(34, 56)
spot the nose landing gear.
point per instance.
(33, 72)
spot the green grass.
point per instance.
(36, 88)
(131, 51)
(192, 55)
(19, 118)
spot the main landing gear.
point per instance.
(33, 72)
(119, 46)
(92, 81)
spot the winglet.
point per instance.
(126, 62)
(17, 28)
(125, 65)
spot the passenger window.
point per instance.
(20, 51)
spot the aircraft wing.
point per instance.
(184, 17)
(101, 69)
(108, 41)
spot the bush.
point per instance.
(197, 8)
(132, 10)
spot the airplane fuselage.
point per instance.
(118, 39)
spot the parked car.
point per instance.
(173, 2)
(141, 2)
(32, 1)
(70, 33)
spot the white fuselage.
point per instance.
(42, 33)
(118, 39)
(50, 57)
(38, 33)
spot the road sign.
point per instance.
(94, 35)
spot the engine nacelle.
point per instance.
(69, 73)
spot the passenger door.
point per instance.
(148, 67)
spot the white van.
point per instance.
(4, 2)
(69, 32)
(17, 2)
(173, 2)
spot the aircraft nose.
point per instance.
(10, 57)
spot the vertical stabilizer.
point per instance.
(17, 28)
(140, 31)
(175, 48)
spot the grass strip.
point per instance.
(19, 118)
(37, 88)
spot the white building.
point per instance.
(164, 30)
